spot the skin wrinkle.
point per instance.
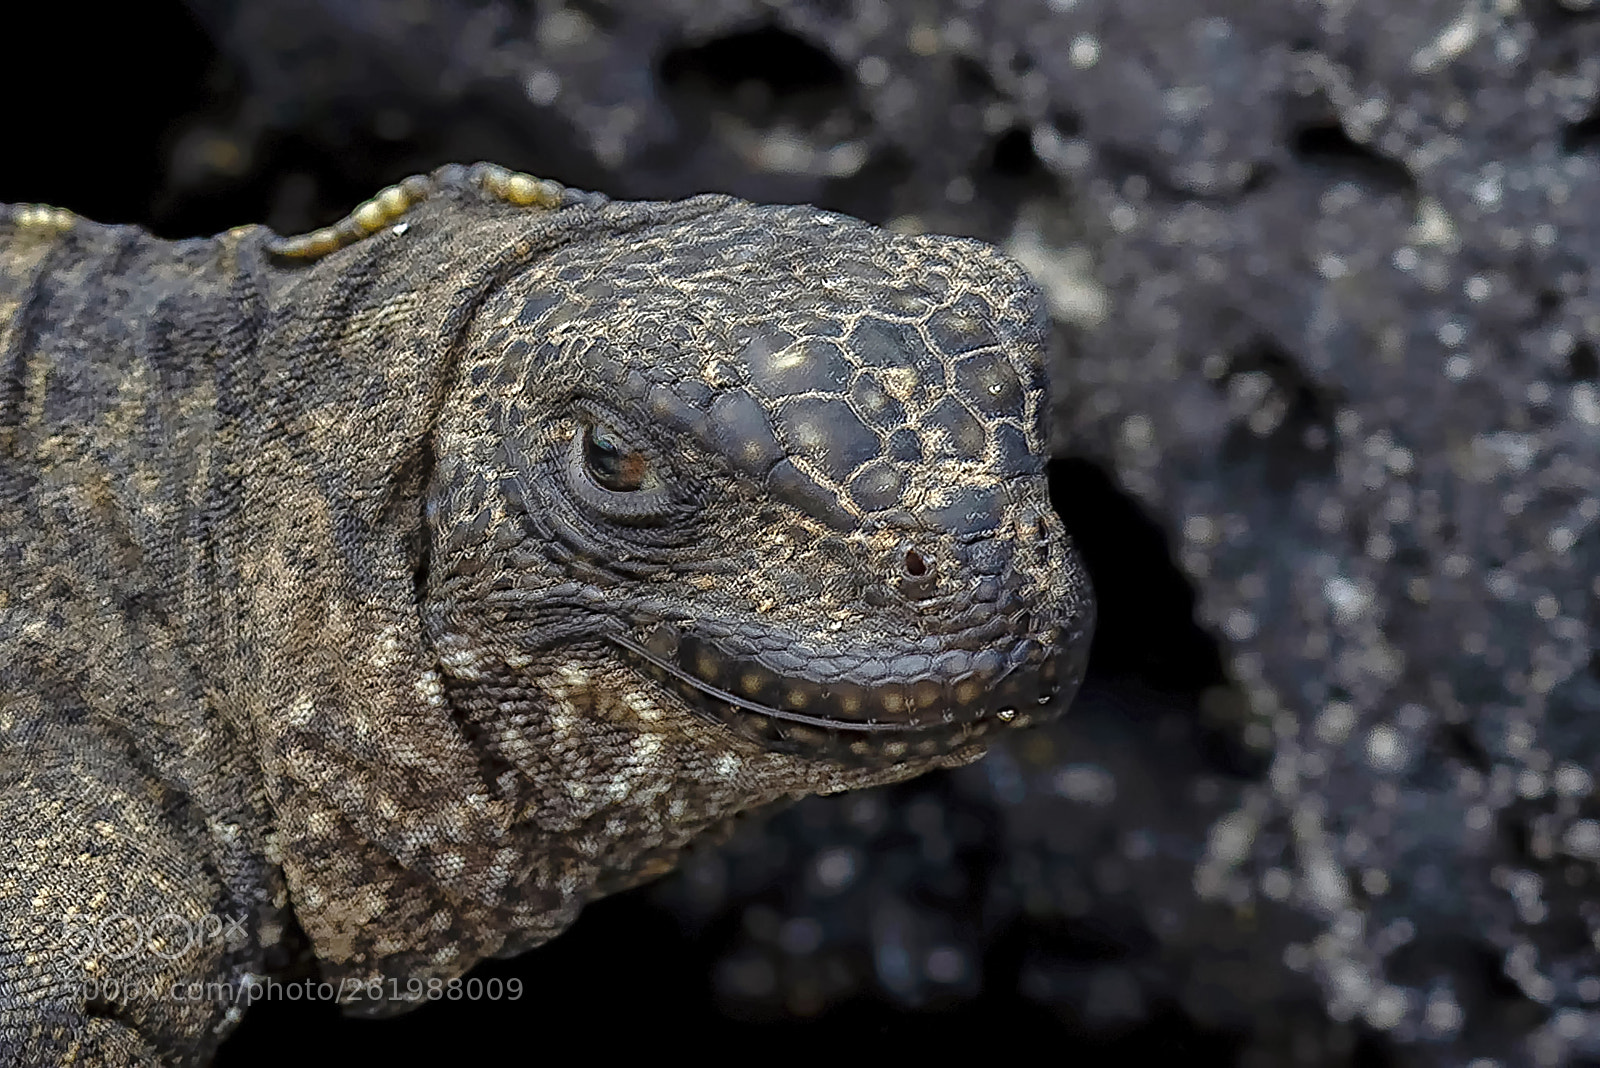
(420, 580)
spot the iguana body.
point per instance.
(416, 581)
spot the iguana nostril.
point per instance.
(918, 573)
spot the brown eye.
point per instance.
(611, 466)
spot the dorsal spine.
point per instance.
(390, 204)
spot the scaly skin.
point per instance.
(421, 579)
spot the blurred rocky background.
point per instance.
(1328, 428)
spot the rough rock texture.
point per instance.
(1321, 276)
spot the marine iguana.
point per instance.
(395, 589)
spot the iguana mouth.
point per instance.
(876, 710)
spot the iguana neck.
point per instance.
(115, 473)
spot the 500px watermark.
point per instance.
(253, 989)
(169, 936)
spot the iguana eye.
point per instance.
(609, 463)
(613, 472)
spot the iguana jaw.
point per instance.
(932, 705)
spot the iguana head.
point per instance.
(699, 505)
(769, 477)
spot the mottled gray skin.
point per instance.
(426, 578)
